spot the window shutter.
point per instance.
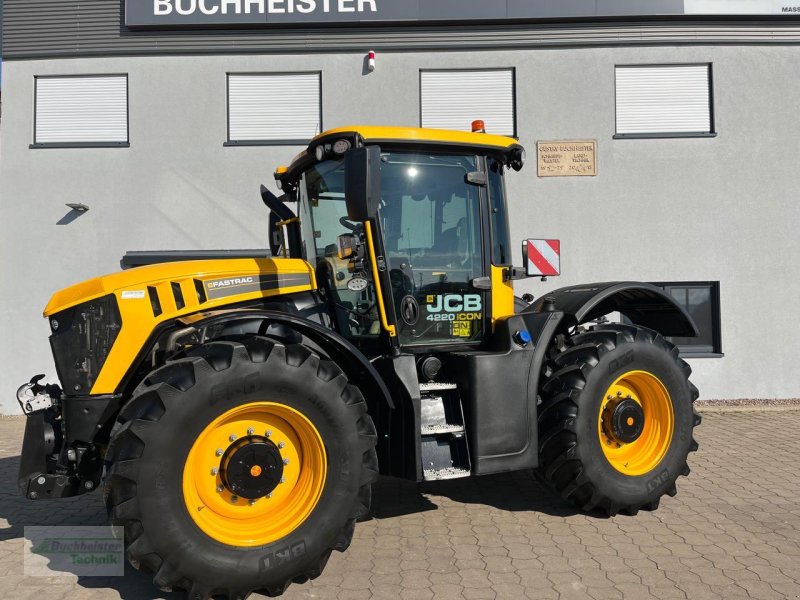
(454, 99)
(274, 107)
(668, 99)
(81, 110)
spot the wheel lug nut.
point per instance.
(232, 437)
(269, 495)
(619, 394)
(283, 479)
(220, 488)
(251, 431)
(234, 498)
(281, 444)
(219, 452)
(252, 502)
(609, 397)
(269, 433)
(214, 471)
(286, 461)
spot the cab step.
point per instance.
(440, 474)
(445, 454)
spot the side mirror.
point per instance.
(276, 241)
(542, 258)
(362, 182)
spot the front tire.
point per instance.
(239, 468)
(616, 420)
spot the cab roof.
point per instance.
(400, 136)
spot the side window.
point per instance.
(501, 239)
(323, 217)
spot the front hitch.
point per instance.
(52, 465)
(33, 397)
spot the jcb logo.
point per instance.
(454, 303)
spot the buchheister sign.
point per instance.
(188, 13)
(567, 159)
(246, 12)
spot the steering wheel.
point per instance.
(348, 224)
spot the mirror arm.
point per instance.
(514, 274)
(286, 217)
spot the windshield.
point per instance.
(430, 218)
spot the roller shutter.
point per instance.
(664, 100)
(270, 108)
(81, 110)
(454, 99)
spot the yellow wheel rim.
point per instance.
(642, 455)
(237, 521)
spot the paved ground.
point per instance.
(733, 531)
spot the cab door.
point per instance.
(433, 229)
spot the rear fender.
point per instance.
(644, 304)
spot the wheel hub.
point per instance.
(252, 467)
(623, 421)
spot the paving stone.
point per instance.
(733, 531)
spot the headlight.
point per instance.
(82, 338)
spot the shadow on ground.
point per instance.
(516, 492)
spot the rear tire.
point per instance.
(150, 462)
(578, 454)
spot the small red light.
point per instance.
(478, 126)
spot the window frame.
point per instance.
(43, 145)
(697, 350)
(473, 69)
(676, 134)
(276, 142)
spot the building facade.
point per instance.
(166, 129)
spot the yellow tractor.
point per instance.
(236, 411)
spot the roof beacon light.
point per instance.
(371, 61)
(478, 126)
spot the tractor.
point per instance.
(236, 411)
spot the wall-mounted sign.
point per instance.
(190, 13)
(567, 159)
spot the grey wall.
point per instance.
(678, 209)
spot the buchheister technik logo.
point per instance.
(74, 550)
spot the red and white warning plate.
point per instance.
(543, 258)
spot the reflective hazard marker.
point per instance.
(543, 258)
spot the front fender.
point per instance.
(357, 367)
(643, 303)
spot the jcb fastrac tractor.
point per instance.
(236, 411)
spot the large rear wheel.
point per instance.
(616, 420)
(239, 468)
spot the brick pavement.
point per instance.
(733, 531)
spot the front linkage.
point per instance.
(63, 442)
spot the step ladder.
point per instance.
(445, 454)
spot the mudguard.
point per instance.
(644, 304)
(351, 360)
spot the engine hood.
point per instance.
(219, 280)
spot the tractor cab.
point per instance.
(407, 231)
